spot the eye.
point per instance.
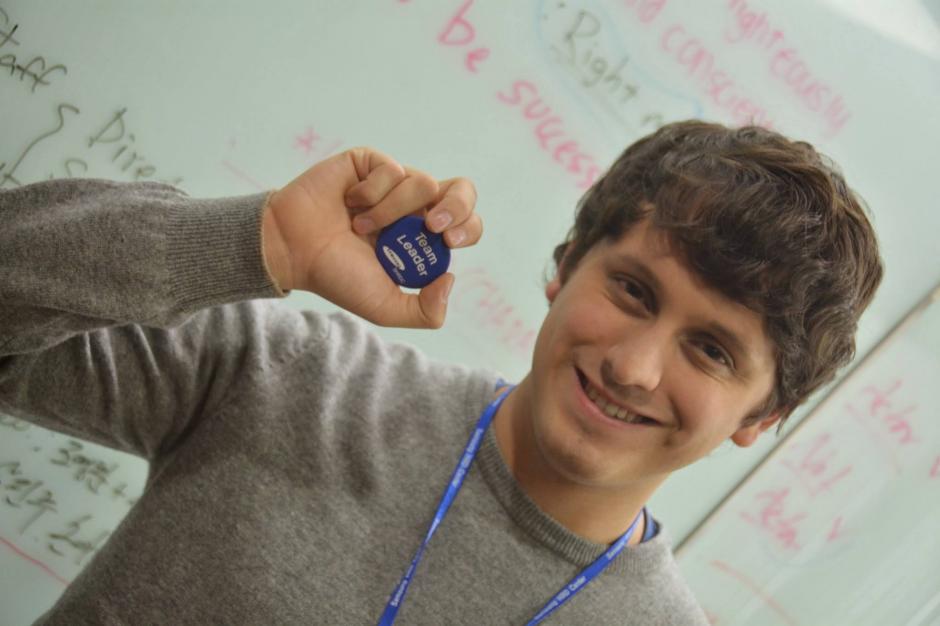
(636, 291)
(715, 353)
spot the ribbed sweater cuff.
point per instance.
(214, 252)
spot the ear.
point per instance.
(554, 285)
(552, 288)
(747, 435)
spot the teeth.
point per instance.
(612, 409)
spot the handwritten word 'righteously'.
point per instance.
(681, 42)
(786, 64)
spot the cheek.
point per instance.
(568, 326)
(706, 411)
(595, 322)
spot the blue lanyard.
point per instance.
(565, 594)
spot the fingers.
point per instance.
(466, 234)
(387, 191)
(414, 193)
(454, 216)
(378, 174)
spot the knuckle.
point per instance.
(466, 186)
(397, 170)
(425, 186)
(370, 194)
(465, 182)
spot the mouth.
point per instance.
(610, 408)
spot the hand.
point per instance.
(319, 234)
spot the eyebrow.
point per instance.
(722, 332)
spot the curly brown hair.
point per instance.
(764, 220)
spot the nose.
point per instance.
(634, 365)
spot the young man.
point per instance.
(713, 279)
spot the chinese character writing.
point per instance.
(61, 542)
(92, 472)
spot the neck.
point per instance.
(600, 514)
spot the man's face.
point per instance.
(633, 333)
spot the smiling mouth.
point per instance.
(611, 409)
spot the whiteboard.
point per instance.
(839, 524)
(529, 99)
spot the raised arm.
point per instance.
(118, 320)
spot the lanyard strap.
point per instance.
(453, 487)
(588, 574)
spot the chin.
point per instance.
(574, 458)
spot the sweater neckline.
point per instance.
(544, 529)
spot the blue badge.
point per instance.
(412, 255)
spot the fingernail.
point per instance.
(439, 221)
(363, 225)
(456, 236)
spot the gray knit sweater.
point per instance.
(295, 458)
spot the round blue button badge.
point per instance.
(410, 254)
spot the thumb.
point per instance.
(431, 302)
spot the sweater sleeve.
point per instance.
(114, 317)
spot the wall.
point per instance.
(531, 102)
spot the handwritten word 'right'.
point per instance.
(580, 50)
